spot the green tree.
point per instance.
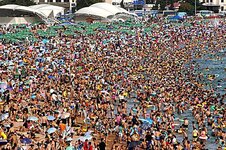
(18, 2)
(161, 3)
(86, 3)
(187, 7)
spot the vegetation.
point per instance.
(189, 6)
(185, 5)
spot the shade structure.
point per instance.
(26, 141)
(93, 11)
(48, 10)
(16, 14)
(32, 118)
(110, 8)
(51, 130)
(70, 148)
(22, 8)
(100, 11)
(50, 118)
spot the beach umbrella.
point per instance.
(26, 141)
(32, 118)
(4, 116)
(65, 115)
(70, 148)
(104, 92)
(150, 121)
(83, 138)
(51, 130)
(88, 133)
(3, 85)
(50, 118)
(69, 139)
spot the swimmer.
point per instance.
(195, 134)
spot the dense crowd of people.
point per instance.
(135, 87)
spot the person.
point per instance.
(102, 145)
(85, 145)
(90, 147)
(2, 134)
(195, 134)
(148, 139)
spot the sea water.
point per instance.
(209, 64)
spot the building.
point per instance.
(67, 4)
(215, 5)
(131, 5)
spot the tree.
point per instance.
(18, 2)
(86, 3)
(187, 7)
(161, 3)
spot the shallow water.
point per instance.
(215, 66)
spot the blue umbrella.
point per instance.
(32, 118)
(69, 139)
(51, 130)
(51, 77)
(45, 41)
(26, 141)
(33, 96)
(50, 118)
(88, 133)
(4, 116)
(150, 121)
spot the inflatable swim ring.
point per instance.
(176, 124)
(203, 138)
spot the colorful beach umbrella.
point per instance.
(32, 118)
(50, 118)
(70, 148)
(65, 115)
(26, 141)
(51, 130)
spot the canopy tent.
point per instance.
(111, 8)
(23, 9)
(16, 14)
(93, 12)
(104, 11)
(48, 10)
